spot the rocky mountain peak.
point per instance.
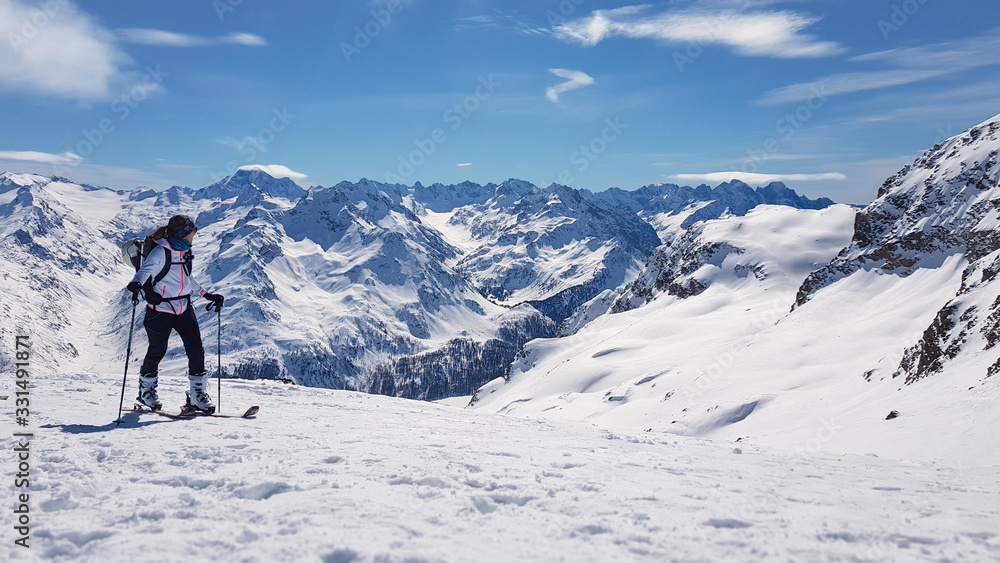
(947, 202)
(945, 206)
(251, 180)
(516, 188)
(10, 180)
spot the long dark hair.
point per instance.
(179, 226)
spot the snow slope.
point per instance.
(335, 476)
(886, 345)
(730, 362)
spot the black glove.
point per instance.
(216, 301)
(134, 287)
(152, 297)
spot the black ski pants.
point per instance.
(158, 326)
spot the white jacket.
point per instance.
(177, 283)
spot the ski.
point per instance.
(186, 414)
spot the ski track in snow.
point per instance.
(335, 476)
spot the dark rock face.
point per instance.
(670, 270)
(459, 367)
(938, 344)
(968, 324)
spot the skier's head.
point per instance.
(179, 226)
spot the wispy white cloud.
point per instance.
(757, 33)
(70, 56)
(755, 178)
(974, 52)
(171, 39)
(64, 159)
(500, 21)
(847, 83)
(909, 65)
(576, 78)
(464, 164)
(248, 39)
(473, 22)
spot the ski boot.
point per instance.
(198, 399)
(147, 392)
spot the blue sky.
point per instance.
(829, 96)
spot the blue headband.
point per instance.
(187, 230)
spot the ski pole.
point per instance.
(218, 348)
(128, 354)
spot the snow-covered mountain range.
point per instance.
(554, 248)
(671, 208)
(724, 313)
(420, 291)
(804, 329)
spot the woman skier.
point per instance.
(166, 283)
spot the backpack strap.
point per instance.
(186, 262)
(166, 267)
